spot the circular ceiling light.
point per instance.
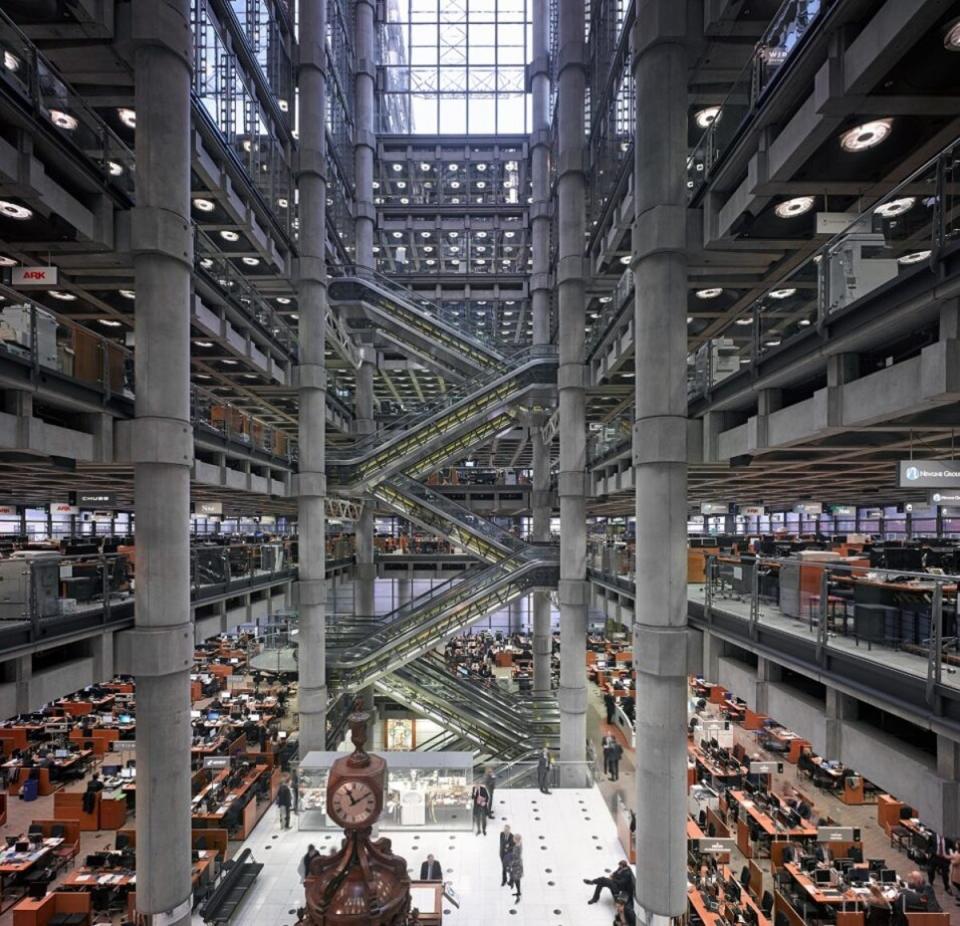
(128, 117)
(951, 38)
(606, 299)
(895, 207)
(711, 293)
(251, 261)
(110, 322)
(397, 234)
(128, 294)
(744, 321)
(204, 205)
(424, 166)
(424, 234)
(625, 259)
(14, 211)
(915, 258)
(804, 323)
(283, 300)
(865, 136)
(791, 208)
(63, 120)
(7, 262)
(228, 235)
(10, 61)
(773, 342)
(453, 168)
(397, 166)
(114, 169)
(64, 297)
(706, 117)
(206, 263)
(785, 293)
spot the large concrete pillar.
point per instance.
(660, 455)
(540, 296)
(159, 650)
(364, 137)
(312, 375)
(365, 572)
(571, 88)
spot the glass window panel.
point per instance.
(482, 113)
(423, 113)
(510, 79)
(483, 80)
(510, 109)
(483, 54)
(423, 10)
(482, 34)
(453, 79)
(453, 115)
(423, 54)
(454, 11)
(422, 79)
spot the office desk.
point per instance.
(243, 792)
(91, 879)
(767, 826)
(835, 775)
(714, 772)
(17, 863)
(825, 896)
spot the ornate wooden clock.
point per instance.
(364, 883)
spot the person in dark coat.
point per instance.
(506, 847)
(543, 771)
(430, 870)
(481, 801)
(616, 751)
(284, 802)
(620, 882)
(610, 703)
(516, 865)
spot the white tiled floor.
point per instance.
(573, 838)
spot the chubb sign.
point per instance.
(923, 474)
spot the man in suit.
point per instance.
(625, 915)
(939, 848)
(919, 896)
(543, 772)
(616, 751)
(610, 703)
(506, 847)
(430, 870)
(620, 882)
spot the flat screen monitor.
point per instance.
(822, 876)
(888, 876)
(254, 717)
(213, 715)
(195, 715)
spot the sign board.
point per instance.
(766, 768)
(928, 474)
(871, 514)
(711, 846)
(835, 223)
(94, 499)
(123, 745)
(8, 511)
(838, 834)
(63, 508)
(843, 511)
(809, 508)
(714, 508)
(216, 762)
(752, 511)
(25, 277)
(945, 498)
(209, 508)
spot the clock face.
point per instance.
(353, 803)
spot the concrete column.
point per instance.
(660, 455)
(404, 593)
(948, 770)
(542, 509)
(538, 82)
(713, 649)
(159, 650)
(364, 137)
(23, 667)
(571, 84)
(312, 375)
(839, 707)
(767, 672)
(950, 319)
(365, 572)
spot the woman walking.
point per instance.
(515, 867)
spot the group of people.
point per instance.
(511, 860)
(621, 884)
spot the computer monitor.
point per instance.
(234, 662)
(126, 718)
(888, 876)
(22, 846)
(61, 753)
(858, 874)
(254, 717)
(128, 773)
(213, 715)
(822, 876)
(195, 715)
(96, 860)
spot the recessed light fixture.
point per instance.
(424, 166)
(951, 38)
(14, 211)
(707, 116)
(283, 300)
(284, 105)
(401, 184)
(229, 362)
(109, 322)
(397, 166)
(204, 205)
(895, 207)
(625, 259)
(804, 323)
(62, 296)
(10, 61)
(251, 261)
(63, 120)
(606, 299)
(711, 293)
(206, 263)
(204, 343)
(689, 319)
(397, 234)
(7, 262)
(744, 321)
(424, 234)
(865, 136)
(915, 258)
(128, 117)
(283, 202)
(453, 168)
(294, 316)
(128, 293)
(481, 167)
(791, 208)
(228, 235)
(785, 293)
(114, 169)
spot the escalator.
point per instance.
(474, 411)
(414, 324)
(424, 623)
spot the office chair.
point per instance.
(34, 828)
(745, 877)
(766, 903)
(122, 842)
(58, 831)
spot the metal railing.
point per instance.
(905, 232)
